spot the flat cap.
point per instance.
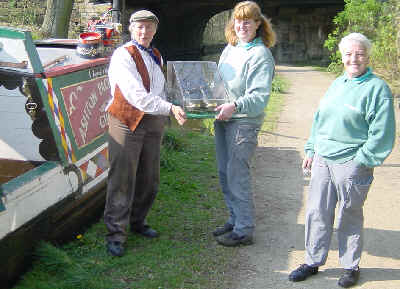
(143, 15)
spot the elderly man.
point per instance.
(137, 114)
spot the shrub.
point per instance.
(376, 20)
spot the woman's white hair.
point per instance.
(356, 37)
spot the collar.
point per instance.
(149, 50)
(247, 45)
(361, 78)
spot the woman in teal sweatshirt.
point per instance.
(353, 131)
(246, 67)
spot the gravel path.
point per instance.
(280, 193)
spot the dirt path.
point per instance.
(280, 193)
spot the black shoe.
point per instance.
(146, 231)
(349, 278)
(233, 240)
(302, 273)
(115, 248)
(222, 230)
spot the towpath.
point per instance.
(280, 193)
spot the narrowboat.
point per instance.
(53, 148)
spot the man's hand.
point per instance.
(179, 114)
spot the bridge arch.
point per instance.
(301, 26)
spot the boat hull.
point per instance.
(53, 150)
(59, 223)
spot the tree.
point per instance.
(56, 20)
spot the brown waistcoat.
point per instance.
(120, 107)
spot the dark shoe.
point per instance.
(115, 248)
(349, 278)
(302, 273)
(233, 240)
(223, 230)
(146, 231)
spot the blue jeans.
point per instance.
(236, 142)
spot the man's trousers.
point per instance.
(134, 174)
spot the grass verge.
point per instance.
(188, 207)
(275, 103)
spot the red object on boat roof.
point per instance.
(89, 37)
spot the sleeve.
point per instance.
(381, 131)
(123, 71)
(309, 146)
(258, 85)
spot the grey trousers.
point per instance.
(134, 174)
(346, 184)
(236, 143)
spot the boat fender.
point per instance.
(75, 179)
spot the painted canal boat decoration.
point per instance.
(53, 149)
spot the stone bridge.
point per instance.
(301, 25)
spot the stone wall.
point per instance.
(301, 33)
(82, 12)
(25, 11)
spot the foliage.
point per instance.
(375, 19)
(385, 53)
(24, 13)
(279, 85)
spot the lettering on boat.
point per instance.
(97, 72)
(85, 104)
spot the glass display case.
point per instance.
(196, 86)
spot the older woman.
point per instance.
(137, 114)
(247, 68)
(353, 131)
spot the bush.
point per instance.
(376, 20)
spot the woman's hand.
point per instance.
(179, 114)
(225, 111)
(307, 162)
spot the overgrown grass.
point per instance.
(273, 109)
(188, 207)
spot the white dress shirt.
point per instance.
(123, 71)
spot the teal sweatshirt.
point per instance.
(247, 70)
(355, 120)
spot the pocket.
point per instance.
(246, 141)
(247, 133)
(358, 189)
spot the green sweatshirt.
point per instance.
(355, 120)
(247, 70)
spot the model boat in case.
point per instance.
(196, 86)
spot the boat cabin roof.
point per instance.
(48, 61)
